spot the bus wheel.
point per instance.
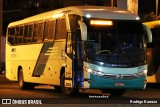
(24, 85)
(114, 92)
(68, 91)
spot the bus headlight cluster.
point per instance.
(99, 73)
(94, 72)
(140, 73)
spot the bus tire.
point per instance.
(22, 84)
(68, 91)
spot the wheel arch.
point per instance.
(18, 70)
(62, 71)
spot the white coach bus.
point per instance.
(83, 47)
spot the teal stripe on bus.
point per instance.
(42, 59)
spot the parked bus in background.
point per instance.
(83, 47)
(153, 53)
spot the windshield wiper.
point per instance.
(118, 52)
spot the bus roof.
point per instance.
(88, 11)
(152, 24)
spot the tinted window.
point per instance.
(38, 32)
(73, 19)
(11, 35)
(49, 30)
(61, 31)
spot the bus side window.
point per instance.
(61, 31)
(49, 30)
(30, 33)
(25, 34)
(40, 32)
(35, 33)
(46, 28)
(21, 35)
(73, 21)
(57, 29)
(11, 35)
(16, 35)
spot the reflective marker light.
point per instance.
(137, 18)
(88, 15)
(89, 70)
(145, 71)
(101, 22)
(57, 15)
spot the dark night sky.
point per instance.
(146, 6)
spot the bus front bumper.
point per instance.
(97, 82)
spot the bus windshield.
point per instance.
(121, 43)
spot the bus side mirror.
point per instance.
(83, 30)
(148, 32)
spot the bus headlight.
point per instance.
(89, 70)
(140, 73)
(145, 71)
(94, 72)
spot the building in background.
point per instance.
(131, 5)
(122, 4)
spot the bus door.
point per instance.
(74, 71)
(78, 59)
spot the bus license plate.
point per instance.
(119, 84)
